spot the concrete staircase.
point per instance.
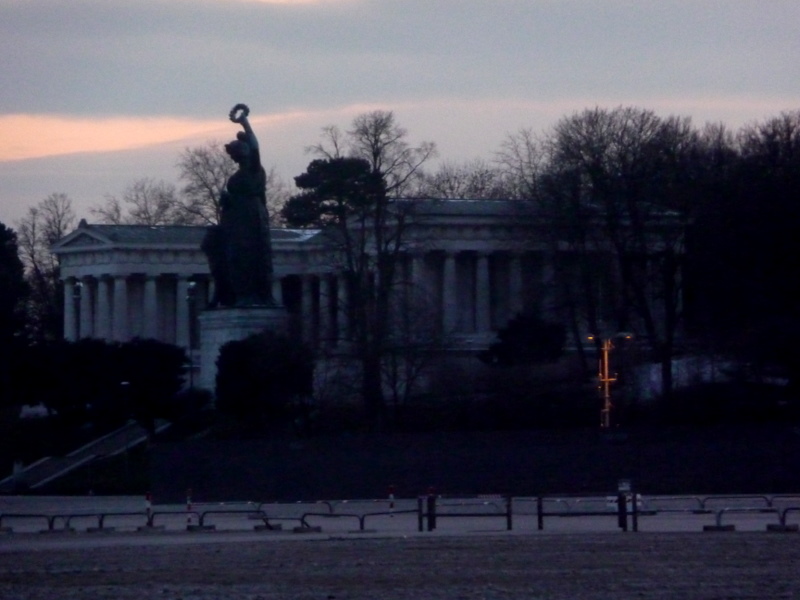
(43, 471)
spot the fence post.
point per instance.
(540, 512)
(635, 512)
(622, 511)
(508, 512)
(420, 513)
(431, 512)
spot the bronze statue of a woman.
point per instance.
(238, 249)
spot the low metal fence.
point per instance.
(429, 509)
(621, 506)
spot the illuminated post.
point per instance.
(605, 378)
(605, 381)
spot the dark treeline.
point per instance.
(88, 388)
(686, 236)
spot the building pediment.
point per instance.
(83, 237)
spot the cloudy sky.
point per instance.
(97, 93)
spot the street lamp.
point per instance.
(604, 376)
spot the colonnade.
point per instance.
(458, 294)
(121, 307)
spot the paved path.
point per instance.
(648, 566)
(575, 558)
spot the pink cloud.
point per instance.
(35, 136)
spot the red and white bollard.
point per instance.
(189, 507)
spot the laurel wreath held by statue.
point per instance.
(245, 111)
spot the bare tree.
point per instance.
(522, 158)
(628, 176)
(204, 171)
(413, 345)
(145, 201)
(475, 179)
(774, 143)
(350, 191)
(42, 226)
(378, 139)
(278, 194)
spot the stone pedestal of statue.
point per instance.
(223, 325)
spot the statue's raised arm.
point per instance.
(239, 114)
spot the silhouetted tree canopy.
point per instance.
(527, 339)
(109, 382)
(41, 227)
(334, 190)
(13, 292)
(258, 377)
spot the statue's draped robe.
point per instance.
(244, 245)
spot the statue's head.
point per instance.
(239, 149)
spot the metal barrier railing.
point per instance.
(335, 504)
(766, 499)
(259, 514)
(740, 509)
(427, 509)
(51, 520)
(669, 499)
(362, 518)
(327, 503)
(101, 518)
(626, 505)
(535, 500)
(775, 497)
(782, 514)
(48, 519)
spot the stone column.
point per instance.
(415, 267)
(87, 314)
(120, 318)
(449, 294)
(483, 295)
(277, 290)
(307, 307)
(70, 323)
(151, 307)
(411, 291)
(327, 290)
(103, 323)
(182, 314)
(549, 306)
(515, 304)
(342, 308)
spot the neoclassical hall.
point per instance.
(470, 266)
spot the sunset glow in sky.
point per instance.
(97, 93)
